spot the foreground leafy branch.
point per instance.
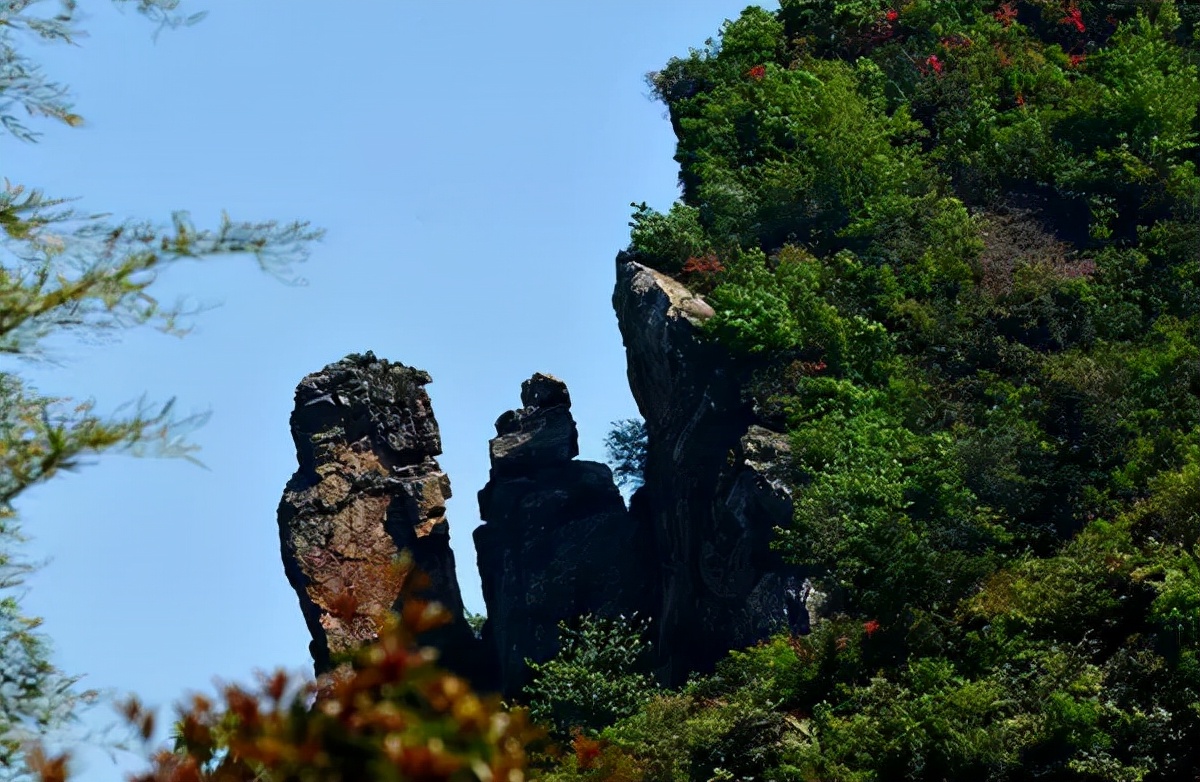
(63, 272)
(390, 714)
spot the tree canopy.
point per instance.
(958, 244)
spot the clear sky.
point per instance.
(473, 164)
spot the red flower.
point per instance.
(886, 27)
(933, 62)
(704, 264)
(1020, 99)
(1077, 60)
(870, 627)
(1074, 17)
(1006, 14)
(757, 72)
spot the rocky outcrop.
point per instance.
(367, 488)
(714, 483)
(692, 554)
(557, 541)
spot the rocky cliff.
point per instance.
(692, 554)
(714, 487)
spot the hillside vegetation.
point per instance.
(958, 241)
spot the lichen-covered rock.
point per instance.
(367, 488)
(557, 541)
(714, 488)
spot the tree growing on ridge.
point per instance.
(626, 449)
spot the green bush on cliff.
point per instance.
(959, 249)
(598, 676)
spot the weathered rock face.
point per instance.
(713, 488)
(692, 553)
(557, 542)
(368, 487)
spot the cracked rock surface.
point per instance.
(714, 488)
(367, 488)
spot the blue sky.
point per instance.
(473, 164)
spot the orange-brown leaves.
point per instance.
(587, 750)
(343, 604)
(700, 272)
(48, 768)
(388, 715)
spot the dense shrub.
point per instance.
(960, 248)
(599, 675)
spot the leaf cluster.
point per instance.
(598, 675)
(388, 714)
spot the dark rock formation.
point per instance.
(713, 488)
(367, 488)
(692, 554)
(557, 542)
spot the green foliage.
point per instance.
(782, 304)
(666, 241)
(927, 723)
(475, 621)
(626, 448)
(1171, 514)
(887, 510)
(24, 82)
(960, 249)
(687, 738)
(37, 702)
(598, 676)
